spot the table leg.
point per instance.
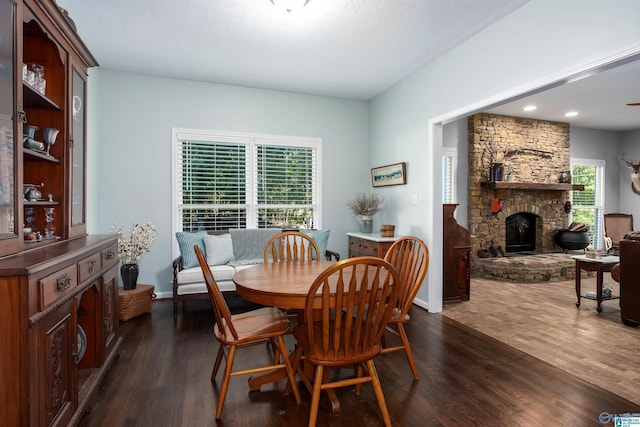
(578, 284)
(255, 382)
(599, 289)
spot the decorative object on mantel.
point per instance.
(131, 247)
(395, 174)
(565, 177)
(634, 172)
(496, 171)
(366, 205)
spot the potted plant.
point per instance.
(131, 247)
(366, 205)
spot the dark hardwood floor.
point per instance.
(467, 379)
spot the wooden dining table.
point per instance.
(281, 284)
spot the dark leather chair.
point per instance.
(630, 279)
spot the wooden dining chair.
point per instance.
(410, 256)
(346, 310)
(291, 246)
(616, 226)
(235, 331)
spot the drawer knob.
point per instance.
(91, 264)
(111, 254)
(64, 282)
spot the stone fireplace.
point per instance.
(522, 212)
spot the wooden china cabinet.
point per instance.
(58, 286)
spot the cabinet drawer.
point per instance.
(362, 247)
(110, 255)
(89, 266)
(57, 285)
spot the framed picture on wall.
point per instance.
(395, 174)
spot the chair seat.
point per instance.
(315, 354)
(254, 325)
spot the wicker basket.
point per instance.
(135, 302)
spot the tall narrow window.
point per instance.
(588, 204)
(224, 180)
(449, 166)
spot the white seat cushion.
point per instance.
(194, 274)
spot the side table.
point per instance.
(134, 302)
(599, 265)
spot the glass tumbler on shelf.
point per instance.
(49, 228)
(29, 217)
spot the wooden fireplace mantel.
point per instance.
(506, 185)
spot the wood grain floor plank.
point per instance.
(466, 377)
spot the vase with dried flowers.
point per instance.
(131, 247)
(365, 205)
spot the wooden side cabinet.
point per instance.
(361, 244)
(456, 257)
(58, 329)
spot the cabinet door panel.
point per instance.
(59, 367)
(78, 211)
(8, 107)
(110, 309)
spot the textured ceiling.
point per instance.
(346, 48)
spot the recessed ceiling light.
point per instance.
(571, 114)
(530, 108)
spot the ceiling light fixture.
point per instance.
(571, 114)
(530, 108)
(289, 6)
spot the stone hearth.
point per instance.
(549, 267)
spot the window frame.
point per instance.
(251, 141)
(599, 165)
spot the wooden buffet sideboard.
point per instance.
(58, 286)
(58, 329)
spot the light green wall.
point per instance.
(541, 39)
(131, 117)
(129, 163)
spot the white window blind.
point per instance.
(225, 180)
(587, 205)
(449, 166)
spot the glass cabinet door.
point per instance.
(78, 155)
(7, 117)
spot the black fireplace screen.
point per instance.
(521, 232)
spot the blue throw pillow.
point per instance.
(186, 242)
(321, 237)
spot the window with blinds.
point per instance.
(449, 165)
(224, 181)
(587, 205)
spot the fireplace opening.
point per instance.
(521, 232)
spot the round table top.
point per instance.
(280, 284)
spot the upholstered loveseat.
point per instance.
(226, 252)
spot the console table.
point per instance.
(373, 244)
(599, 265)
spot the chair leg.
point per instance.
(358, 369)
(225, 381)
(315, 396)
(377, 389)
(216, 365)
(408, 352)
(290, 371)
